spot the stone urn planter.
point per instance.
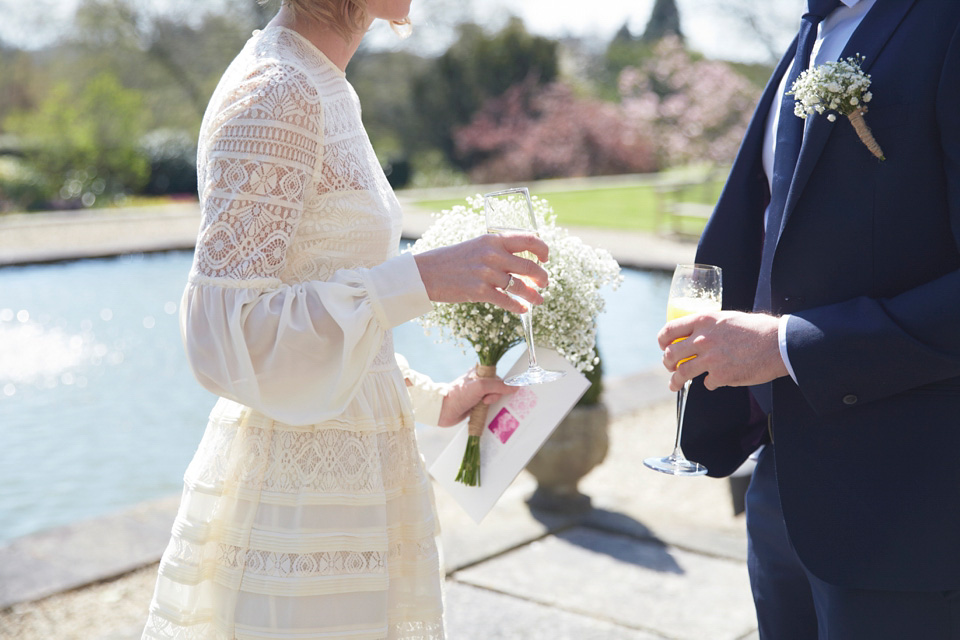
(579, 443)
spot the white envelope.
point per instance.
(516, 428)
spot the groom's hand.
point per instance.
(735, 349)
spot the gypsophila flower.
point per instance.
(566, 321)
(841, 87)
(840, 84)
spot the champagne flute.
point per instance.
(696, 288)
(510, 211)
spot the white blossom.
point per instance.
(567, 319)
(842, 85)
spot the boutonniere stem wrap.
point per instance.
(833, 88)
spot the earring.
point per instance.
(403, 28)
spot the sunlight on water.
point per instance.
(31, 354)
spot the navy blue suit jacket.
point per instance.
(868, 264)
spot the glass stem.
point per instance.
(526, 319)
(681, 407)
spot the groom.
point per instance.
(839, 346)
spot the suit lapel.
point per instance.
(868, 40)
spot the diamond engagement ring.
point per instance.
(509, 283)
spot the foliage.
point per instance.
(477, 67)
(567, 319)
(174, 60)
(21, 81)
(624, 50)
(20, 186)
(383, 82)
(698, 109)
(172, 154)
(533, 132)
(84, 146)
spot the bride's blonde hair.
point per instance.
(347, 17)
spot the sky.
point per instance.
(27, 22)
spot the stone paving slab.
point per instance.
(472, 613)
(480, 614)
(639, 584)
(63, 558)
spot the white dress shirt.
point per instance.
(832, 36)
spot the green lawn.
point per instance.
(631, 207)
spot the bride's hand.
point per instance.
(466, 391)
(479, 270)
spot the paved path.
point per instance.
(655, 558)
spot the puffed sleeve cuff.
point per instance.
(425, 394)
(396, 290)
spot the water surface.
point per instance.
(98, 409)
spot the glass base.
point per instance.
(534, 375)
(676, 466)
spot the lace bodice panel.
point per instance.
(296, 281)
(291, 187)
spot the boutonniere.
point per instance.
(838, 87)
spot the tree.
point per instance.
(624, 50)
(698, 109)
(664, 21)
(768, 26)
(477, 67)
(85, 145)
(533, 131)
(173, 61)
(20, 84)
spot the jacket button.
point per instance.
(849, 399)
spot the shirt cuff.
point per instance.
(782, 339)
(396, 290)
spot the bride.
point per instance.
(306, 511)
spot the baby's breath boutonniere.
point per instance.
(841, 87)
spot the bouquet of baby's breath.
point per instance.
(566, 321)
(841, 87)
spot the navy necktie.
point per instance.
(789, 138)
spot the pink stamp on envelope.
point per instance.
(504, 424)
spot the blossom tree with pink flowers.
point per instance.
(697, 109)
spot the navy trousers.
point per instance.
(793, 604)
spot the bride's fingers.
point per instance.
(505, 302)
(520, 242)
(520, 288)
(523, 267)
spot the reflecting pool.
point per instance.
(98, 409)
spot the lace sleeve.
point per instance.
(257, 155)
(295, 352)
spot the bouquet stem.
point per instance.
(469, 473)
(863, 131)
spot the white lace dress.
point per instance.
(306, 511)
